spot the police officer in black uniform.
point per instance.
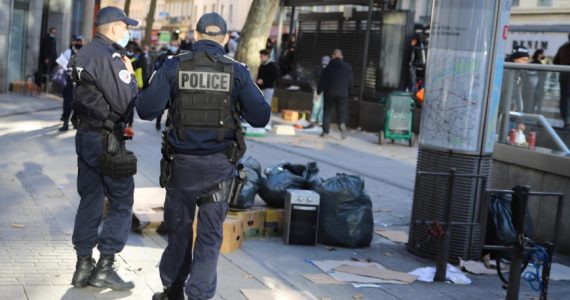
(207, 93)
(104, 96)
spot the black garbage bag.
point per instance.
(345, 217)
(285, 175)
(246, 197)
(500, 228)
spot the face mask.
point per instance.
(78, 46)
(124, 40)
(130, 54)
(173, 49)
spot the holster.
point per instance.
(165, 162)
(228, 190)
(117, 162)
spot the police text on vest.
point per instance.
(208, 81)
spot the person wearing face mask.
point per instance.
(105, 90)
(67, 92)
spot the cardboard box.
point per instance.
(233, 234)
(253, 221)
(290, 115)
(273, 222)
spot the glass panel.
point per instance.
(534, 121)
(17, 40)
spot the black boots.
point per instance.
(83, 269)
(170, 293)
(105, 276)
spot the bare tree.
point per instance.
(255, 32)
(127, 6)
(149, 21)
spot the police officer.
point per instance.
(104, 95)
(207, 93)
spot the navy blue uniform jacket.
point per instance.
(102, 67)
(163, 88)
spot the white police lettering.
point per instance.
(207, 81)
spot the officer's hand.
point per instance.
(128, 64)
(260, 81)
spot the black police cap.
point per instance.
(212, 19)
(110, 14)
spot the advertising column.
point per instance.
(463, 78)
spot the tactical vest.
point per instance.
(205, 83)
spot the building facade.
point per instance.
(539, 24)
(24, 23)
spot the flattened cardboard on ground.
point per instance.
(254, 294)
(329, 266)
(321, 279)
(394, 235)
(476, 267)
(284, 130)
(377, 271)
(148, 208)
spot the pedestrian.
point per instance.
(266, 77)
(105, 91)
(233, 44)
(149, 58)
(539, 78)
(186, 44)
(523, 85)
(67, 93)
(563, 58)
(48, 55)
(317, 112)
(335, 83)
(538, 57)
(200, 149)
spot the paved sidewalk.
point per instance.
(39, 200)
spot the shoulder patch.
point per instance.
(125, 76)
(116, 54)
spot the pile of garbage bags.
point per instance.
(345, 218)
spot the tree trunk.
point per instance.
(149, 21)
(255, 32)
(127, 6)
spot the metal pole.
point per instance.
(443, 255)
(292, 22)
(509, 76)
(366, 46)
(518, 209)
